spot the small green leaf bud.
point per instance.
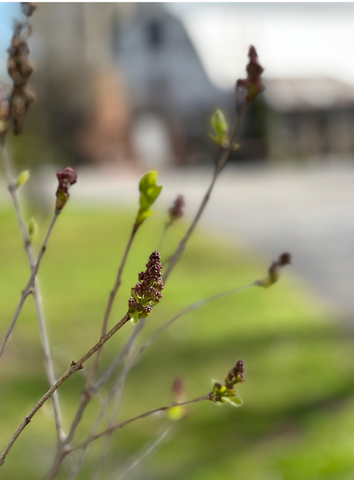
(23, 177)
(220, 127)
(32, 229)
(149, 192)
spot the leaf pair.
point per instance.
(149, 192)
(221, 130)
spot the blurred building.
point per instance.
(82, 101)
(166, 80)
(123, 83)
(311, 117)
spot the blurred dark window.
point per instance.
(155, 34)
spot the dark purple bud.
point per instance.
(66, 178)
(252, 85)
(178, 389)
(147, 291)
(176, 211)
(284, 259)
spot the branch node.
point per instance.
(73, 363)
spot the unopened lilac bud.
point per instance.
(66, 178)
(147, 291)
(178, 390)
(252, 85)
(274, 271)
(176, 211)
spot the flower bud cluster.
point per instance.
(66, 178)
(147, 292)
(227, 393)
(20, 69)
(253, 83)
(176, 211)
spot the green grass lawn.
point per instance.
(297, 421)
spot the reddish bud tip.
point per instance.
(253, 83)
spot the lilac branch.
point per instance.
(72, 369)
(146, 452)
(224, 156)
(119, 425)
(30, 287)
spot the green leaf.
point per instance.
(149, 192)
(142, 216)
(148, 180)
(236, 402)
(152, 193)
(135, 318)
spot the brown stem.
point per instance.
(138, 417)
(111, 299)
(119, 384)
(90, 389)
(194, 306)
(29, 287)
(73, 368)
(224, 156)
(36, 292)
(146, 452)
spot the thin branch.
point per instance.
(165, 228)
(118, 387)
(218, 168)
(36, 292)
(116, 392)
(73, 368)
(29, 287)
(90, 389)
(125, 351)
(87, 395)
(112, 368)
(146, 452)
(111, 299)
(194, 306)
(115, 427)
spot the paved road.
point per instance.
(308, 212)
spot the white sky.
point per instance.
(292, 39)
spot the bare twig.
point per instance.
(218, 168)
(73, 368)
(194, 306)
(116, 392)
(126, 350)
(112, 296)
(118, 387)
(29, 287)
(146, 452)
(87, 395)
(36, 291)
(115, 427)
